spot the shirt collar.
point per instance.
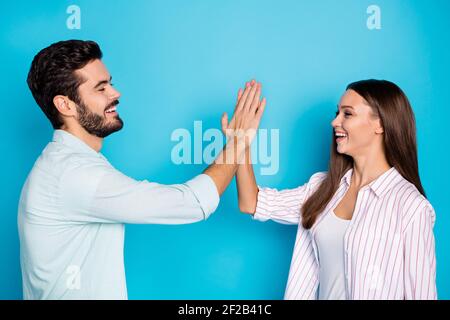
(68, 139)
(380, 185)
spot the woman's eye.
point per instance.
(346, 114)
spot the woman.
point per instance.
(365, 227)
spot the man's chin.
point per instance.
(108, 129)
(117, 126)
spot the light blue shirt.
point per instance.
(71, 218)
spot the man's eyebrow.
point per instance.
(102, 82)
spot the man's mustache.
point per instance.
(112, 104)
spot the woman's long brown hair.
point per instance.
(391, 105)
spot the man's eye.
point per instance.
(102, 89)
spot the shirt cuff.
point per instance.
(206, 193)
(262, 212)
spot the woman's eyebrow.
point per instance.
(345, 106)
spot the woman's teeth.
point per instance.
(340, 136)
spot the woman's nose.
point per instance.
(335, 122)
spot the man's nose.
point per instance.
(115, 94)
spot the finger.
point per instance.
(261, 108)
(241, 102)
(250, 97)
(256, 100)
(224, 121)
(239, 95)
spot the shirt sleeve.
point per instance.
(283, 206)
(420, 260)
(102, 194)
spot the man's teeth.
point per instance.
(110, 110)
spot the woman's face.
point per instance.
(356, 129)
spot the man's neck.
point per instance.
(92, 141)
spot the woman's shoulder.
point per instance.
(318, 177)
(408, 193)
(412, 203)
(315, 181)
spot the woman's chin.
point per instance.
(342, 150)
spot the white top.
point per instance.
(329, 240)
(389, 243)
(71, 219)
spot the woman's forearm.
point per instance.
(246, 185)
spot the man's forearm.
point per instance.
(226, 164)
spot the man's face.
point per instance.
(97, 112)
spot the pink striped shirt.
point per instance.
(389, 244)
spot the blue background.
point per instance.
(179, 61)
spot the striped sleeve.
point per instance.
(420, 260)
(283, 206)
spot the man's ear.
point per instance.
(64, 105)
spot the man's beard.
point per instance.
(96, 124)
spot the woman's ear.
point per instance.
(378, 126)
(379, 130)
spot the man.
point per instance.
(74, 203)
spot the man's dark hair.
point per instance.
(52, 73)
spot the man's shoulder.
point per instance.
(62, 157)
(59, 164)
